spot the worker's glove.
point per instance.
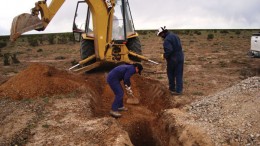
(162, 56)
(128, 90)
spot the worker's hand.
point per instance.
(128, 90)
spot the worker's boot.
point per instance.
(115, 114)
(123, 109)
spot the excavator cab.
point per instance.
(122, 26)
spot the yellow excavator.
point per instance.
(104, 27)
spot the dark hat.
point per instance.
(139, 66)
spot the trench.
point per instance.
(140, 121)
(141, 134)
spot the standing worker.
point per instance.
(119, 73)
(175, 59)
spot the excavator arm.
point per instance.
(27, 22)
(47, 13)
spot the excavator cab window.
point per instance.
(89, 24)
(118, 22)
(122, 21)
(79, 22)
(130, 30)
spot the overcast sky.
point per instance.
(151, 14)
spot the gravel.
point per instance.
(231, 116)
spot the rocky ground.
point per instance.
(43, 104)
(232, 114)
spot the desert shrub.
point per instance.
(210, 36)
(143, 32)
(71, 37)
(2, 44)
(238, 32)
(39, 50)
(60, 58)
(186, 32)
(197, 32)
(199, 93)
(223, 64)
(28, 49)
(33, 41)
(223, 31)
(62, 39)
(74, 62)
(41, 39)
(51, 39)
(192, 41)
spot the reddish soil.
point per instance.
(40, 80)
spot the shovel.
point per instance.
(132, 99)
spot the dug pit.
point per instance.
(140, 121)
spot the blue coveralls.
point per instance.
(119, 73)
(175, 59)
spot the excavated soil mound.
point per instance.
(40, 80)
(94, 99)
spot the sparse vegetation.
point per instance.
(210, 36)
(2, 44)
(39, 50)
(238, 32)
(59, 58)
(33, 41)
(224, 31)
(198, 93)
(223, 64)
(197, 32)
(51, 39)
(46, 125)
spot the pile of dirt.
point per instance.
(40, 80)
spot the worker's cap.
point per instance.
(161, 29)
(139, 66)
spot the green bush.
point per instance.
(62, 39)
(187, 32)
(51, 39)
(39, 50)
(210, 36)
(223, 31)
(197, 32)
(71, 37)
(238, 32)
(142, 32)
(33, 41)
(2, 44)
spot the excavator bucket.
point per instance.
(23, 23)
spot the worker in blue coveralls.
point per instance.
(175, 59)
(119, 73)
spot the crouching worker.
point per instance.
(119, 73)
